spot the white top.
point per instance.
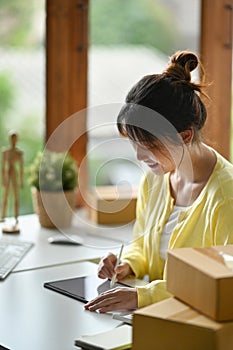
(168, 229)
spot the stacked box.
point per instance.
(203, 278)
(172, 325)
(112, 204)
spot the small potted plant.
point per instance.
(54, 178)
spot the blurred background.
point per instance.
(128, 39)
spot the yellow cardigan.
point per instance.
(209, 221)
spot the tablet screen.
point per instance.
(81, 288)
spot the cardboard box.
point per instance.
(112, 204)
(203, 278)
(172, 325)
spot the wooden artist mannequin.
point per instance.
(12, 176)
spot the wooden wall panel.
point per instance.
(216, 55)
(66, 77)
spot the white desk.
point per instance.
(35, 318)
(98, 240)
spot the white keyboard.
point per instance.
(11, 252)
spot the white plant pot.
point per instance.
(54, 209)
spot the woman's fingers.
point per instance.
(103, 304)
(98, 299)
(113, 300)
(107, 266)
(122, 271)
(105, 272)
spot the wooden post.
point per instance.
(66, 76)
(216, 55)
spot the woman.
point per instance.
(186, 200)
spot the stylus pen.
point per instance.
(113, 280)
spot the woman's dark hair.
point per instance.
(170, 98)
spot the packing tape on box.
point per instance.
(228, 260)
(220, 256)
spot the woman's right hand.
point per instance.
(107, 268)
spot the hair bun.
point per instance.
(182, 63)
(186, 59)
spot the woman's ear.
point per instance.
(187, 136)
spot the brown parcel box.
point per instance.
(203, 278)
(172, 325)
(112, 204)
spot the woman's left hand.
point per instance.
(114, 300)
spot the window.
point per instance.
(22, 79)
(128, 39)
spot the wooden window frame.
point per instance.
(66, 79)
(216, 55)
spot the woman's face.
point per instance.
(159, 160)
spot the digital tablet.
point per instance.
(81, 288)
